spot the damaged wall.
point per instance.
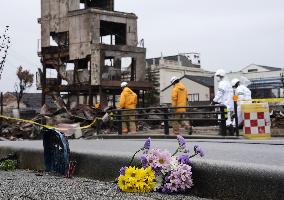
(94, 38)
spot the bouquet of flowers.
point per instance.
(160, 170)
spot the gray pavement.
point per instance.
(258, 152)
(241, 151)
(33, 185)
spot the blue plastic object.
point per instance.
(56, 151)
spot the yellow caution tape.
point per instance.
(47, 126)
(270, 100)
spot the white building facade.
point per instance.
(266, 82)
(181, 66)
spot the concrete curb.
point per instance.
(212, 179)
(155, 136)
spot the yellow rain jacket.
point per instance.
(128, 99)
(179, 97)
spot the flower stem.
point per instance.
(193, 155)
(176, 152)
(130, 163)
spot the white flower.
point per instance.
(174, 163)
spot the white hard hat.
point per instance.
(173, 79)
(235, 81)
(123, 84)
(220, 72)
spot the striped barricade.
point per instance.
(257, 124)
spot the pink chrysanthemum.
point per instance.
(158, 159)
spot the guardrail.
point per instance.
(216, 114)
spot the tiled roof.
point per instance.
(203, 80)
(270, 68)
(33, 100)
(206, 81)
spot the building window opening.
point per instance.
(128, 69)
(70, 66)
(82, 6)
(84, 63)
(252, 70)
(193, 97)
(110, 70)
(112, 33)
(98, 4)
(53, 42)
(59, 39)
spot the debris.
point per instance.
(71, 169)
(70, 129)
(277, 119)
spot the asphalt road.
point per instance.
(267, 153)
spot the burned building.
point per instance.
(87, 49)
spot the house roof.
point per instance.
(33, 100)
(263, 66)
(270, 68)
(206, 81)
(203, 80)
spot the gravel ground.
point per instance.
(32, 185)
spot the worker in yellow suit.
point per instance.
(179, 99)
(128, 100)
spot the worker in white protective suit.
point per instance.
(243, 93)
(224, 94)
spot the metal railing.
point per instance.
(216, 114)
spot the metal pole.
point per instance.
(120, 124)
(98, 126)
(143, 98)
(166, 123)
(113, 101)
(236, 117)
(223, 121)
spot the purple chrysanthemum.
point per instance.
(181, 141)
(184, 159)
(147, 144)
(144, 161)
(178, 180)
(198, 150)
(122, 170)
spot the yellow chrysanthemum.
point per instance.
(130, 171)
(137, 180)
(122, 182)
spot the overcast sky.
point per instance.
(229, 34)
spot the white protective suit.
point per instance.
(243, 93)
(224, 96)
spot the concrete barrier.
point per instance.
(212, 179)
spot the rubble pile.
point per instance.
(16, 130)
(69, 121)
(277, 119)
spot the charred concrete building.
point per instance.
(90, 49)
